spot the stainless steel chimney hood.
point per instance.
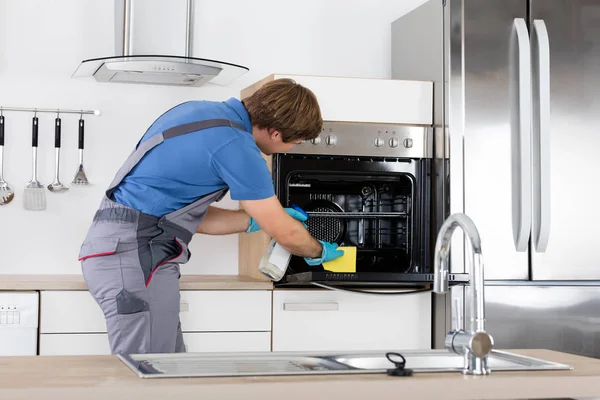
(153, 40)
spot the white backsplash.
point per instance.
(42, 43)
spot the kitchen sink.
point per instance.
(316, 363)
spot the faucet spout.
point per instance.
(476, 343)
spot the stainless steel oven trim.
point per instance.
(370, 140)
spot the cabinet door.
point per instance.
(225, 310)
(313, 320)
(59, 344)
(70, 312)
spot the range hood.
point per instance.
(153, 41)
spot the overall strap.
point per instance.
(135, 157)
(198, 126)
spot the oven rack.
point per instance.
(325, 214)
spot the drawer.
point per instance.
(74, 344)
(97, 343)
(316, 320)
(201, 310)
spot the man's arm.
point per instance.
(220, 221)
(287, 231)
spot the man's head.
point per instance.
(283, 113)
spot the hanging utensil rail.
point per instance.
(50, 110)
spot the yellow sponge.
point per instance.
(345, 263)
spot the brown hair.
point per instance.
(287, 107)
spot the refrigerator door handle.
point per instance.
(520, 100)
(540, 47)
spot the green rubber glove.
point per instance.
(330, 252)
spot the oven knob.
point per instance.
(316, 140)
(330, 140)
(408, 143)
(378, 142)
(394, 142)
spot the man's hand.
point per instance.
(287, 231)
(330, 252)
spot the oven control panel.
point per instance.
(375, 140)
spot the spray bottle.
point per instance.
(275, 260)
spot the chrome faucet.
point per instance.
(475, 344)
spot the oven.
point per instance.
(368, 186)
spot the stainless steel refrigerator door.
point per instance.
(496, 131)
(572, 140)
(562, 318)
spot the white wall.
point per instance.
(41, 44)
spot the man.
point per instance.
(190, 157)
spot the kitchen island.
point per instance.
(106, 377)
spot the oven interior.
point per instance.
(373, 212)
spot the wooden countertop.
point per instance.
(186, 282)
(106, 377)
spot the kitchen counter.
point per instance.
(103, 377)
(186, 282)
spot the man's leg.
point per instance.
(120, 291)
(164, 299)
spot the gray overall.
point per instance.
(130, 260)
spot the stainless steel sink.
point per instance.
(316, 363)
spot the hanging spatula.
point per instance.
(34, 196)
(80, 178)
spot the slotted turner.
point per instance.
(80, 178)
(34, 196)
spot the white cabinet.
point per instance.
(211, 320)
(351, 99)
(321, 320)
(242, 320)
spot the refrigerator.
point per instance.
(517, 121)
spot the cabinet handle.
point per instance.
(184, 307)
(311, 306)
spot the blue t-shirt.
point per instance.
(184, 168)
